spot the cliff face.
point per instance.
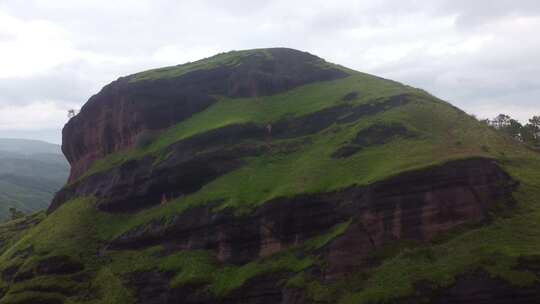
(271, 176)
(416, 206)
(113, 119)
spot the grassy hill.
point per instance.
(30, 173)
(324, 137)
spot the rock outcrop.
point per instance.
(415, 206)
(478, 288)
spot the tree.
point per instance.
(508, 125)
(501, 121)
(535, 126)
(514, 129)
(72, 113)
(529, 134)
(535, 121)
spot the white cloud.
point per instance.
(32, 116)
(33, 46)
(481, 55)
(175, 53)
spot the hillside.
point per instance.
(31, 172)
(273, 176)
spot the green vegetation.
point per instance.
(232, 278)
(224, 59)
(11, 231)
(324, 239)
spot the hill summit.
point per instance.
(273, 176)
(160, 98)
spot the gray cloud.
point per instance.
(63, 84)
(474, 13)
(481, 55)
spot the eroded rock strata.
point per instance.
(415, 206)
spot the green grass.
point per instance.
(52, 283)
(224, 59)
(12, 231)
(228, 279)
(31, 297)
(324, 239)
(109, 288)
(62, 233)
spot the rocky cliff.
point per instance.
(114, 119)
(272, 176)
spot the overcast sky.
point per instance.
(481, 55)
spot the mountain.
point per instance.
(31, 171)
(273, 176)
(28, 146)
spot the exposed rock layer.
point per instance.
(414, 206)
(478, 288)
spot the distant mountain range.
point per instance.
(31, 171)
